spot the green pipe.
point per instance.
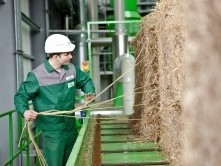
(37, 141)
(19, 118)
(19, 152)
(10, 137)
(6, 113)
(27, 150)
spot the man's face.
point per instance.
(64, 58)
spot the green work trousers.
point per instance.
(57, 146)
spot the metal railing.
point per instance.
(24, 147)
(132, 23)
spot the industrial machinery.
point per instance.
(101, 31)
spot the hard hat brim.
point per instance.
(70, 48)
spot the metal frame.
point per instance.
(90, 39)
(28, 21)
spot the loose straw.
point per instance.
(19, 143)
(83, 107)
(39, 154)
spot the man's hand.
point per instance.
(30, 115)
(89, 98)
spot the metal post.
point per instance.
(46, 18)
(18, 48)
(19, 124)
(81, 46)
(11, 138)
(94, 66)
(119, 16)
(18, 41)
(27, 149)
(119, 47)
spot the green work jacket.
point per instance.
(52, 90)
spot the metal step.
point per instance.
(114, 126)
(118, 147)
(114, 132)
(133, 158)
(129, 147)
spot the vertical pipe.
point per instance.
(37, 141)
(120, 38)
(18, 42)
(28, 149)
(81, 45)
(18, 51)
(66, 22)
(119, 16)
(93, 16)
(128, 80)
(10, 137)
(89, 45)
(119, 46)
(19, 124)
(46, 18)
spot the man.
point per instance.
(51, 86)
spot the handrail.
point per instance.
(21, 149)
(9, 113)
(6, 113)
(12, 156)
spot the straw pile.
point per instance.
(163, 119)
(138, 82)
(84, 155)
(147, 80)
(202, 105)
(169, 28)
(163, 74)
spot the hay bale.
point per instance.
(169, 28)
(147, 82)
(202, 106)
(139, 53)
(150, 122)
(164, 76)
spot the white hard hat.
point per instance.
(58, 43)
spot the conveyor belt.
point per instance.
(117, 146)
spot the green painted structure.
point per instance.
(117, 146)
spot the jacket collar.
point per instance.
(50, 68)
